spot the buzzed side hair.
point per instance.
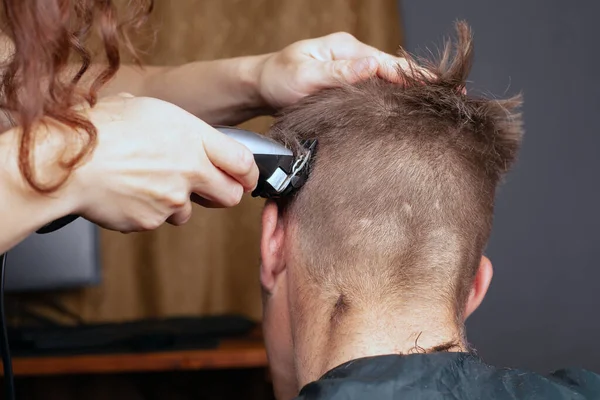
(400, 199)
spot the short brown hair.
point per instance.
(400, 197)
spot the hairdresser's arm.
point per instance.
(149, 157)
(233, 90)
(218, 92)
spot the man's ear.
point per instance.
(481, 283)
(271, 246)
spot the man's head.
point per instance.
(398, 207)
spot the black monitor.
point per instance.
(65, 259)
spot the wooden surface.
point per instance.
(231, 354)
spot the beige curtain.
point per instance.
(211, 264)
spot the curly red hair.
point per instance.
(47, 35)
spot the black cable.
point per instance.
(9, 381)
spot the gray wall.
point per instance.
(542, 310)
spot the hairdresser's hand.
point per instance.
(310, 65)
(151, 156)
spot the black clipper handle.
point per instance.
(56, 225)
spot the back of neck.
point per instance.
(330, 340)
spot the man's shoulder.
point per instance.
(447, 376)
(582, 380)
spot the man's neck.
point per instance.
(325, 344)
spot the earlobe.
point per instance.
(271, 247)
(481, 283)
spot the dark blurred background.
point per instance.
(542, 308)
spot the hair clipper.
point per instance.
(280, 171)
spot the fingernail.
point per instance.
(250, 190)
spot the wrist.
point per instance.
(22, 207)
(50, 146)
(250, 71)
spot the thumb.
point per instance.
(349, 71)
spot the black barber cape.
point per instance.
(448, 376)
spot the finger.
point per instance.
(231, 157)
(333, 73)
(397, 69)
(344, 46)
(349, 71)
(393, 69)
(218, 188)
(204, 202)
(181, 216)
